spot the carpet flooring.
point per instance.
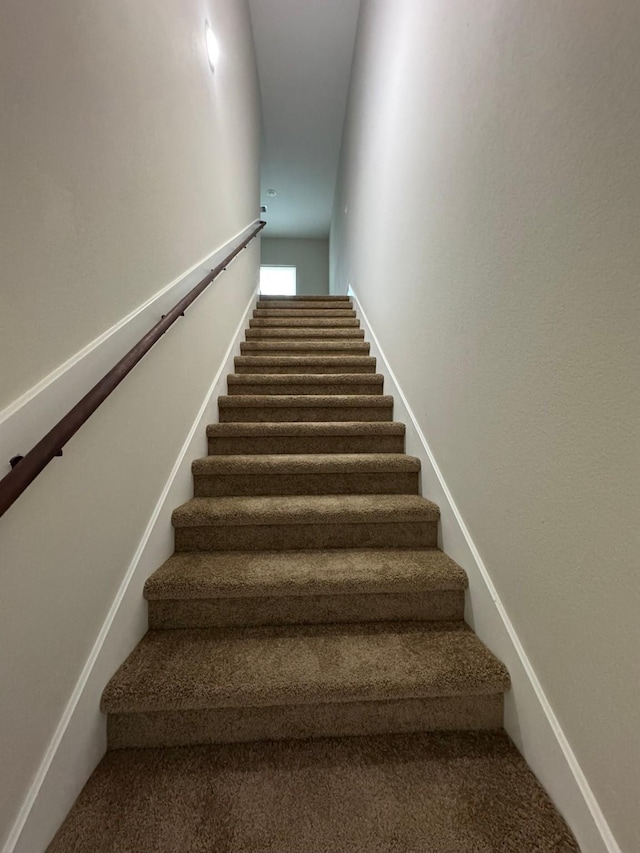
(308, 682)
(431, 793)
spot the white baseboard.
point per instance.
(529, 717)
(79, 740)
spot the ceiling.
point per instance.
(304, 50)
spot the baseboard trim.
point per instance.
(543, 741)
(53, 791)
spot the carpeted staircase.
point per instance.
(307, 601)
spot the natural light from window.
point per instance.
(278, 281)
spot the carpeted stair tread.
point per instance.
(306, 474)
(304, 379)
(324, 401)
(357, 347)
(231, 439)
(303, 305)
(307, 333)
(305, 407)
(308, 408)
(304, 323)
(304, 364)
(451, 792)
(352, 571)
(305, 509)
(298, 313)
(293, 361)
(290, 429)
(299, 665)
(305, 298)
(306, 463)
(304, 383)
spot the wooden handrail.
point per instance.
(27, 468)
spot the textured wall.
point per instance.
(124, 162)
(311, 257)
(487, 217)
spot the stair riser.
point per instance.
(303, 334)
(309, 369)
(219, 485)
(298, 388)
(290, 537)
(441, 605)
(300, 414)
(305, 323)
(343, 719)
(306, 444)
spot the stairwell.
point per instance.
(306, 603)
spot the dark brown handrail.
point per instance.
(28, 467)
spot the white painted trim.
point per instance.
(24, 421)
(84, 749)
(588, 823)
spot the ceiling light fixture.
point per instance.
(213, 48)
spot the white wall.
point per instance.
(496, 144)
(125, 163)
(304, 52)
(310, 257)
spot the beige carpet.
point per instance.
(307, 600)
(435, 793)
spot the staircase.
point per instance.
(306, 599)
